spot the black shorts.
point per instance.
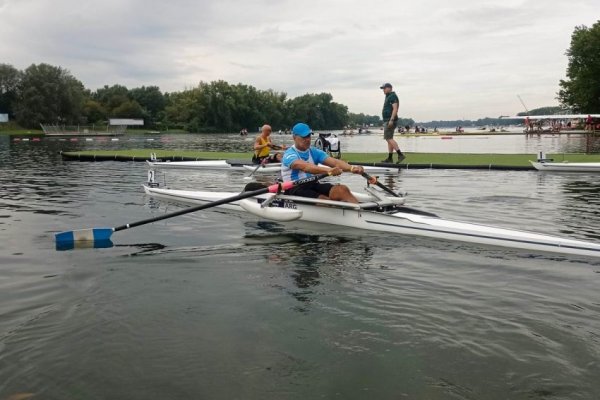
(270, 159)
(313, 190)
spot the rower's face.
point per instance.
(302, 143)
(266, 131)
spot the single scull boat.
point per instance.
(377, 212)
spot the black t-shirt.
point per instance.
(390, 99)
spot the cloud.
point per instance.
(448, 60)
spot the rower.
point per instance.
(263, 146)
(302, 161)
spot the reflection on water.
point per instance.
(219, 305)
(307, 255)
(582, 202)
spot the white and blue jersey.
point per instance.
(312, 155)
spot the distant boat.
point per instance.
(566, 166)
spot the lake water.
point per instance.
(214, 305)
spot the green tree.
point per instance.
(48, 94)
(405, 122)
(128, 109)
(152, 101)
(318, 111)
(116, 101)
(550, 110)
(10, 77)
(105, 94)
(94, 111)
(362, 119)
(581, 90)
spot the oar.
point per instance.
(260, 164)
(92, 235)
(373, 180)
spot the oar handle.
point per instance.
(270, 189)
(372, 179)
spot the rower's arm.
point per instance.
(343, 165)
(309, 167)
(258, 146)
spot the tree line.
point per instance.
(48, 94)
(581, 90)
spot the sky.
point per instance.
(460, 59)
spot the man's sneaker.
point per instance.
(387, 161)
(400, 158)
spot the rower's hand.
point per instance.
(335, 171)
(357, 169)
(390, 124)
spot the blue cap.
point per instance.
(301, 129)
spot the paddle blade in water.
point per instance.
(97, 244)
(83, 235)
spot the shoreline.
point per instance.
(413, 160)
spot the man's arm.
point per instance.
(394, 111)
(343, 165)
(394, 114)
(258, 146)
(314, 169)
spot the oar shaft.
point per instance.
(241, 196)
(192, 209)
(369, 178)
(260, 164)
(401, 208)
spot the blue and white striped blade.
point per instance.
(97, 244)
(84, 235)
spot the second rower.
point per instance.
(263, 146)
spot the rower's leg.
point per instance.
(342, 193)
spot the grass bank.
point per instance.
(450, 159)
(12, 128)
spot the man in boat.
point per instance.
(263, 146)
(390, 120)
(301, 161)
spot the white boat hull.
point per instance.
(566, 166)
(271, 168)
(398, 222)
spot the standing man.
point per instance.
(390, 120)
(302, 161)
(589, 123)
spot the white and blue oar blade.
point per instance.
(92, 237)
